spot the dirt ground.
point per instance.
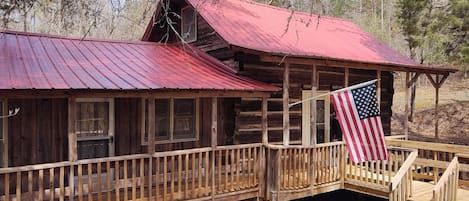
(453, 115)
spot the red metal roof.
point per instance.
(33, 61)
(267, 28)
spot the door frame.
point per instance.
(306, 117)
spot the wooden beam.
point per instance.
(443, 79)
(4, 163)
(314, 88)
(406, 120)
(434, 83)
(264, 123)
(378, 87)
(346, 76)
(214, 132)
(413, 80)
(72, 135)
(351, 64)
(437, 94)
(286, 96)
(52, 93)
(151, 126)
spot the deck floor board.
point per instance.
(422, 191)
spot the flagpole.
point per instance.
(336, 91)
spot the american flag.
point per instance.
(358, 114)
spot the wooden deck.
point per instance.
(269, 172)
(423, 192)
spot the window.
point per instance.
(95, 127)
(176, 120)
(188, 24)
(3, 134)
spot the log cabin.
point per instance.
(207, 118)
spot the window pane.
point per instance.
(184, 118)
(320, 111)
(93, 149)
(188, 24)
(162, 112)
(92, 119)
(320, 133)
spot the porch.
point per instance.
(237, 172)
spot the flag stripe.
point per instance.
(351, 131)
(353, 119)
(340, 117)
(358, 116)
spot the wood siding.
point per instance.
(38, 134)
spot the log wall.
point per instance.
(38, 134)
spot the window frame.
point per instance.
(111, 126)
(171, 139)
(195, 24)
(4, 140)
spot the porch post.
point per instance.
(72, 142)
(314, 88)
(378, 87)
(437, 94)
(214, 141)
(72, 135)
(264, 126)
(406, 117)
(151, 125)
(214, 133)
(286, 112)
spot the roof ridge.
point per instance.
(4, 31)
(295, 11)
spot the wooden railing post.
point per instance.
(342, 166)
(72, 143)
(265, 140)
(214, 143)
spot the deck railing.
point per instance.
(175, 175)
(447, 186)
(400, 187)
(434, 158)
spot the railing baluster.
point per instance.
(117, 180)
(134, 179)
(99, 183)
(165, 177)
(179, 162)
(108, 180)
(172, 174)
(142, 178)
(186, 174)
(61, 183)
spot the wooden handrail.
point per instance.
(403, 170)
(448, 182)
(428, 146)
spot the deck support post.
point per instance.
(378, 87)
(286, 112)
(437, 83)
(72, 142)
(409, 81)
(314, 88)
(406, 117)
(214, 141)
(151, 127)
(265, 140)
